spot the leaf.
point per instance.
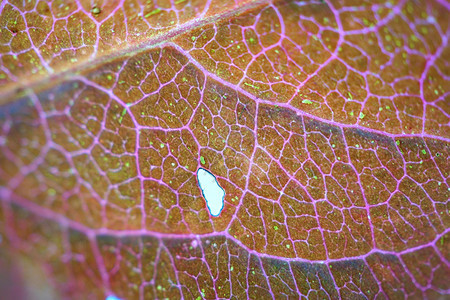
(327, 126)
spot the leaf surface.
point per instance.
(325, 122)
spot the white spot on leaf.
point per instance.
(212, 191)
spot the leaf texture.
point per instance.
(325, 122)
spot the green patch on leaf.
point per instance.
(153, 12)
